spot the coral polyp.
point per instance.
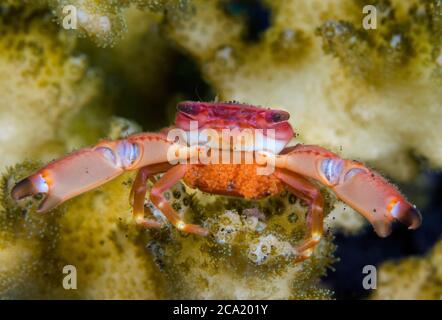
(248, 255)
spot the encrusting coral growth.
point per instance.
(50, 105)
(26, 241)
(411, 278)
(248, 254)
(63, 92)
(44, 84)
(103, 20)
(138, 87)
(97, 236)
(94, 233)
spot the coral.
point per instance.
(94, 233)
(100, 20)
(345, 220)
(104, 20)
(433, 8)
(26, 242)
(249, 253)
(49, 107)
(44, 84)
(137, 89)
(97, 237)
(393, 50)
(411, 278)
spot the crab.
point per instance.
(299, 168)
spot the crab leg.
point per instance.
(168, 180)
(89, 168)
(315, 219)
(138, 193)
(361, 188)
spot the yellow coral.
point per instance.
(139, 66)
(102, 20)
(249, 254)
(411, 278)
(43, 85)
(26, 241)
(97, 237)
(93, 232)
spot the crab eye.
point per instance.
(277, 116)
(188, 108)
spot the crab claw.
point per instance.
(410, 217)
(361, 188)
(371, 195)
(69, 176)
(89, 168)
(29, 186)
(34, 185)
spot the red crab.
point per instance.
(294, 168)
